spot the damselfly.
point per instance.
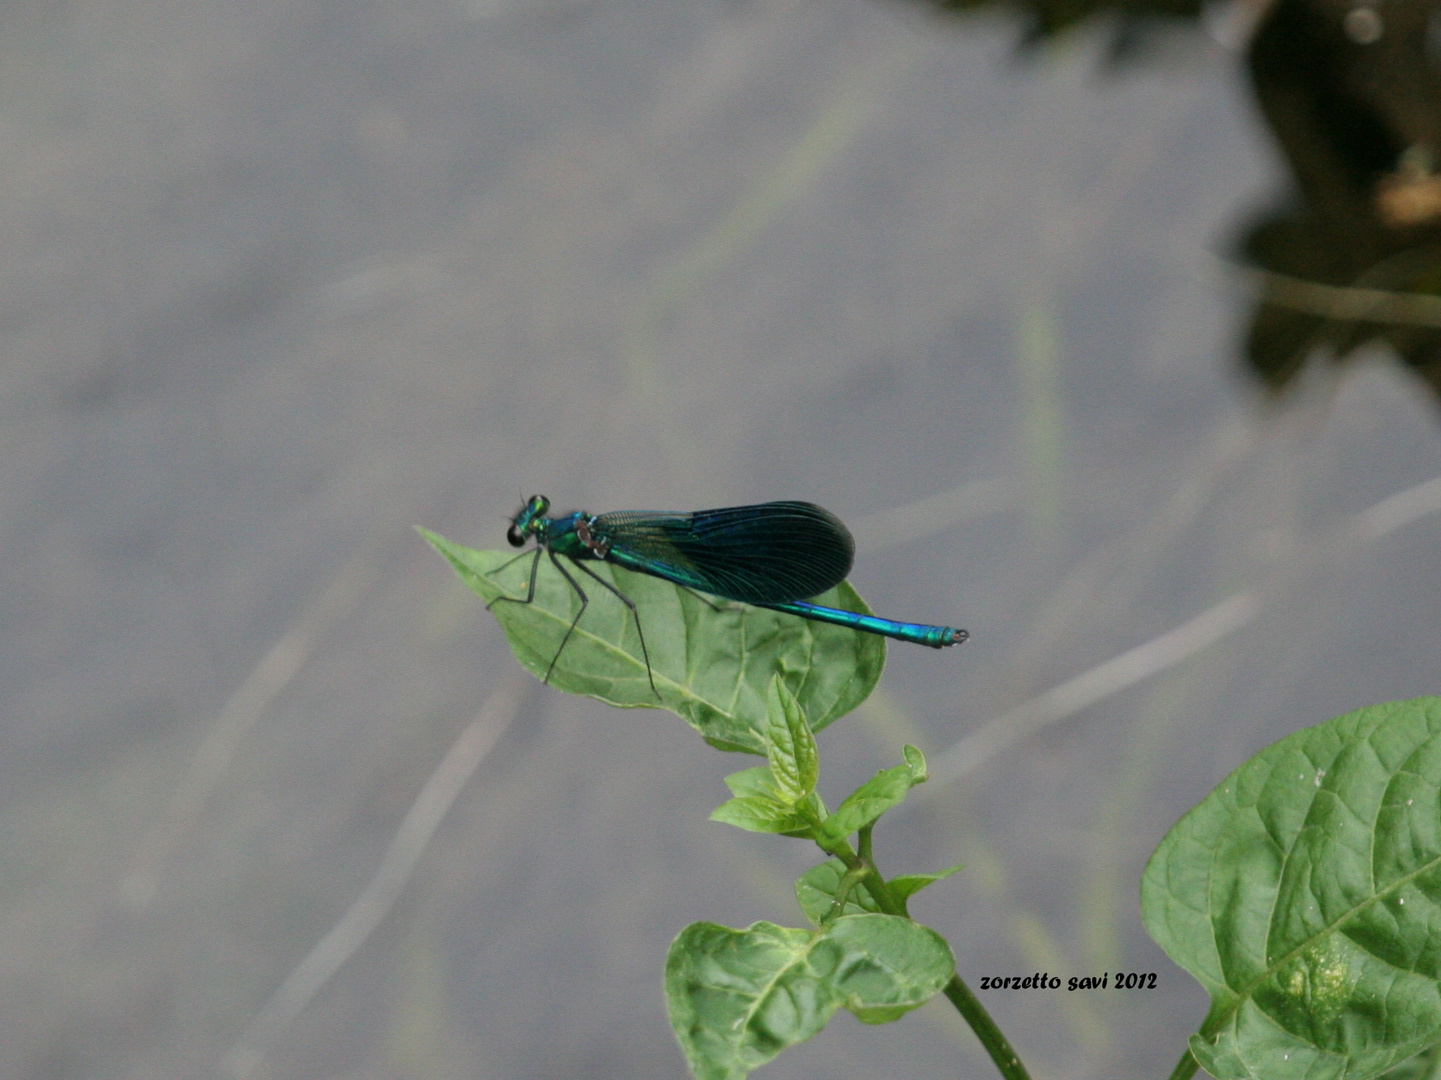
(771, 555)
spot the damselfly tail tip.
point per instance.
(958, 636)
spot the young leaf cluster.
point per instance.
(781, 797)
(737, 998)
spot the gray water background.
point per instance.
(282, 279)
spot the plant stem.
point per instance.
(875, 884)
(996, 1044)
(872, 881)
(863, 842)
(848, 882)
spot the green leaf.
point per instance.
(790, 746)
(811, 811)
(1304, 893)
(759, 813)
(868, 802)
(711, 667)
(737, 998)
(917, 763)
(1424, 1066)
(816, 889)
(816, 892)
(752, 781)
(887, 965)
(907, 885)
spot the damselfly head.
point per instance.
(524, 522)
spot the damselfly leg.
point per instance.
(584, 603)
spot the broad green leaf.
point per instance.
(905, 886)
(759, 813)
(1424, 1066)
(1304, 894)
(887, 965)
(710, 667)
(790, 746)
(737, 998)
(868, 802)
(816, 892)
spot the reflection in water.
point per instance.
(1132, 23)
(1351, 89)
(1353, 94)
